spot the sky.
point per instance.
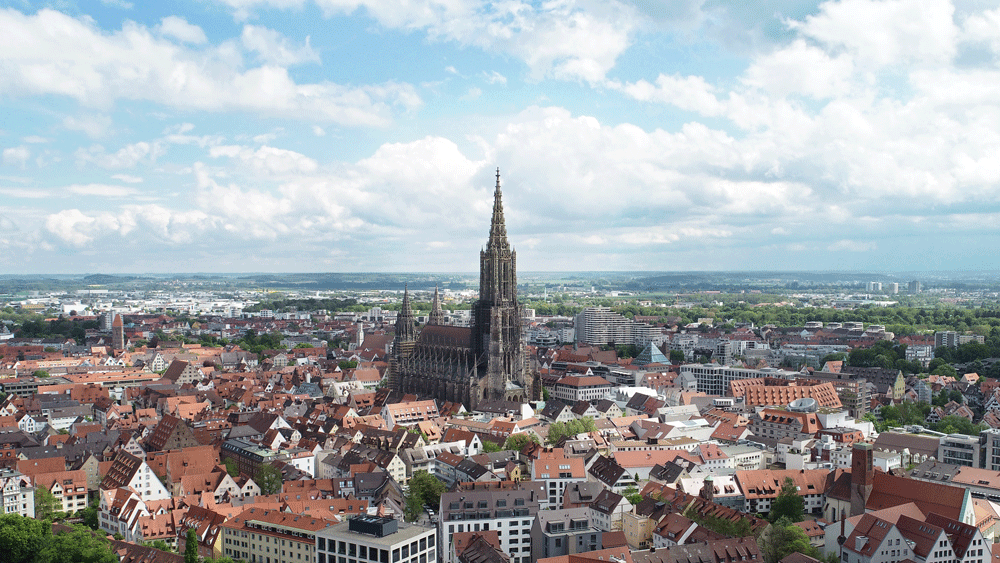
(364, 135)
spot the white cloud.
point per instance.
(74, 227)
(318, 131)
(50, 53)
(494, 77)
(274, 48)
(127, 178)
(450, 70)
(92, 125)
(804, 69)
(267, 159)
(885, 32)
(472, 94)
(180, 29)
(852, 246)
(78, 229)
(126, 157)
(566, 39)
(179, 129)
(118, 4)
(101, 190)
(35, 139)
(689, 93)
(16, 156)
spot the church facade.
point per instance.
(470, 365)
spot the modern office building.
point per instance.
(376, 539)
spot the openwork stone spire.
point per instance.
(405, 325)
(437, 315)
(498, 229)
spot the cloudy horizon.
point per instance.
(363, 136)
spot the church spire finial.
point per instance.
(498, 230)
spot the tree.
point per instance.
(490, 447)
(424, 489)
(21, 538)
(784, 538)
(231, 467)
(90, 516)
(347, 364)
(946, 370)
(191, 547)
(80, 545)
(40, 373)
(159, 544)
(517, 442)
(677, 356)
(788, 504)
(269, 479)
(836, 357)
(633, 496)
(46, 504)
(559, 429)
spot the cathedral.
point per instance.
(470, 365)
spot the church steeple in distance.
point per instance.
(437, 315)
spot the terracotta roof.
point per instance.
(890, 490)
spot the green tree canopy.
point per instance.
(559, 429)
(46, 504)
(424, 488)
(789, 504)
(79, 545)
(518, 441)
(784, 538)
(269, 479)
(21, 538)
(191, 547)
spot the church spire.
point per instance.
(405, 326)
(437, 315)
(498, 230)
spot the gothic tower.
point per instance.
(403, 341)
(437, 315)
(496, 316)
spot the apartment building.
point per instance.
(566, 531)
(959, 449)
(18, 494)
(511, 512)
(271, 536)
(556, 471)
(601, 325)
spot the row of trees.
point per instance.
(559, 429)
(27, 540)
(909, 413)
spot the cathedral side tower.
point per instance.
(437, 315)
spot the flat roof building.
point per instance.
(376, 539)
